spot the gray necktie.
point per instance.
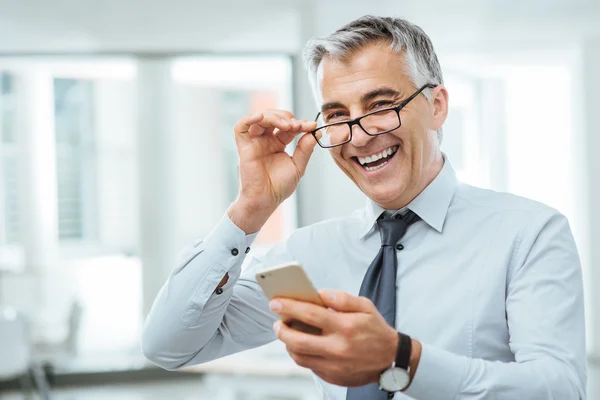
(379, 285)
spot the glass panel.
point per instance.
(10, 179)
(73, 104)
(7, 114)
(233, 105)
(9, 176)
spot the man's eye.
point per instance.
(382, 104)
(335, 116)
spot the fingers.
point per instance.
(298, 127)
(242, 127)
(263, 120)
(247, 121)
(269, 122)
(305, 125)
(311, 314)
(280, 122)
(345, 302)
(302, 343)
(303, 152)
(307, 361)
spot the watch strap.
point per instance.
(404, 351)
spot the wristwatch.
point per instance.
(397, 377)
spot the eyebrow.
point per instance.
(384, 91)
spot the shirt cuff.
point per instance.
(229, 234)
(440, 374)
(227, 229)
(250, 238)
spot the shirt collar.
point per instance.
(431, 205)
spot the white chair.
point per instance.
(15, 348)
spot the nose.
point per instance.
(360, 137)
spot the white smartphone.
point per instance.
(291, 281)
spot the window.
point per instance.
(211, 94)
(462, 141)
(75, 158)
(523, 145)
(9, 201)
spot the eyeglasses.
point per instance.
(373, 124)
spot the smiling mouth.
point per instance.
(377, 161)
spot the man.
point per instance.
(464, 293)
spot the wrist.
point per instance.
(393, 344)
(389, 355)
(415, 357)
(398, 376)
(247, 217)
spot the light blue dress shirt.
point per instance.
(489, 283)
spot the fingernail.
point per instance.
(275, 305)
(276, 326)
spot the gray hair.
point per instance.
(404, 37)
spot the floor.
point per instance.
(189, 389)
(184, 389)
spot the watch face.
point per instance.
(394, 379)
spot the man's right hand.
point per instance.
(268, 175)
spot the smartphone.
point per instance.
(291, 281)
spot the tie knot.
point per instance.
(393, 229)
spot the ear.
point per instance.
(439, 101)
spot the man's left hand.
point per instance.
(356, 346)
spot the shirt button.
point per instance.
(219, 291)
(247, 250)
(399, 247)
(235, 252)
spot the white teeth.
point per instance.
(385, 153)
(376, 168)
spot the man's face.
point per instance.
(395, 180)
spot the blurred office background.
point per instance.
(116, 151)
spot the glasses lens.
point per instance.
(383, 121)
(333, 135)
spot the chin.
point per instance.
(382, 195)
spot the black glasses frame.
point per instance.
(356, 121)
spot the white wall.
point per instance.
(274, 25)
(589, 174)
(117, 191)
(478, 24)
(200, 165)
(143, 26)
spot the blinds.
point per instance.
(9, 178)
(75, 160)
(74, 102)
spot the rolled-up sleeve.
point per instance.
(545, 315)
